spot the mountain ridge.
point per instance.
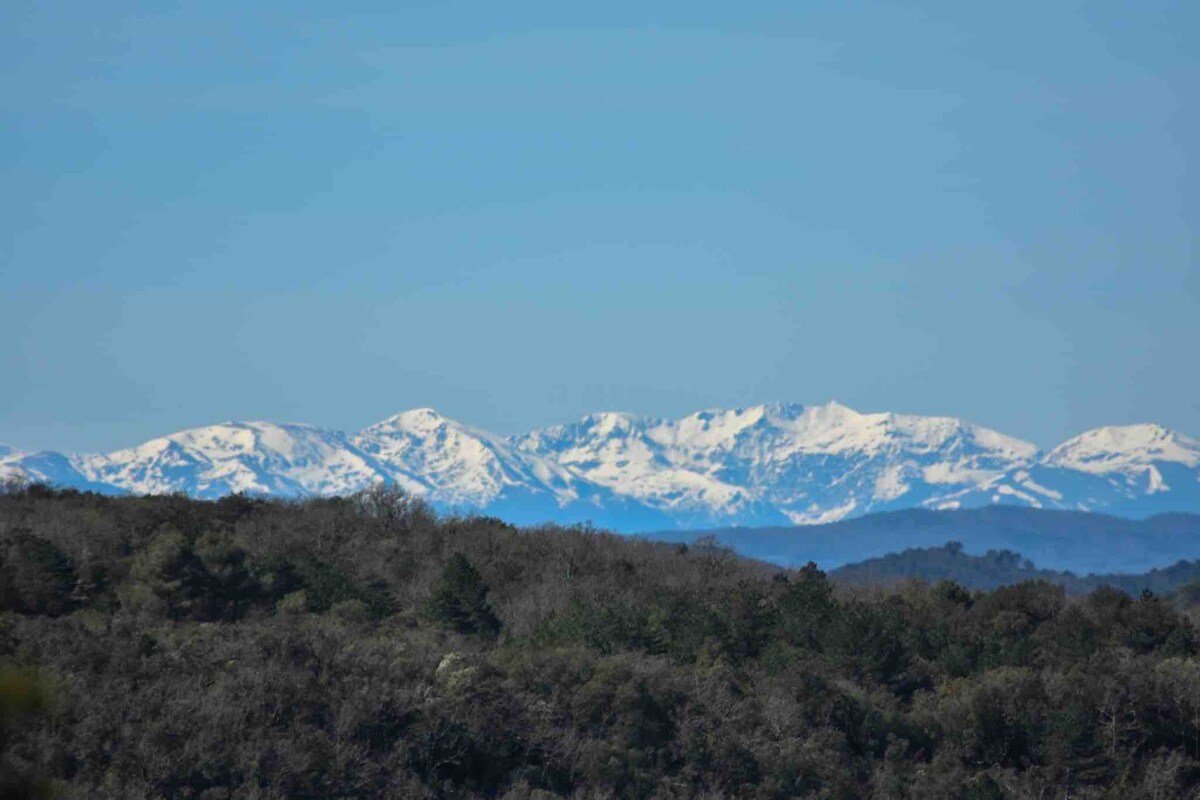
(995, 568)
(763, 465)
(1082, 542)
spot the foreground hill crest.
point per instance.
(768, 464)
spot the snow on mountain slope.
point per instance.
(1124, 449)
(50, 468)
(9, 469)
(464, 468)
(459, 464)
(808, 464)
(1131, 470)
(620, 452)
(762, 465)
(251, 457)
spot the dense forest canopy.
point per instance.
(364, 647)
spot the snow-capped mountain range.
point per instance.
(764, 465)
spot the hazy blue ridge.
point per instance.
(1057, 540)
(997, 568)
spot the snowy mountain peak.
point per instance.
(254, 457)
(457, 464)
(1120, 448)
(768, 464)
(9, 471)
(597, 427)
(234, 438)
(833, 427)
(607, 423)
(417, 420)
(790, 411)
(935, 432)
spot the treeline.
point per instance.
(997, 568)
(363, 647)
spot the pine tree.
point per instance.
(460, 599)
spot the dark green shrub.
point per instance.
(35, 576)
(459, 600)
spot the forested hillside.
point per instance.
(363, 647)
(997, 568)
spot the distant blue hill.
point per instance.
(997, 568)
(1058, 540)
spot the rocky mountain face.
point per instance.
(764, 465)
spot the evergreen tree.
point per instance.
(460, 599)
(35, 576)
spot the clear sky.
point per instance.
(521, 212)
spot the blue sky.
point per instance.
(520, 212)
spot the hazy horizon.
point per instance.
(1043, 446)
